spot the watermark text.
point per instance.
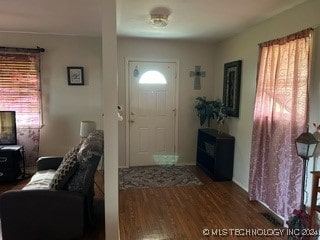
(258, 232)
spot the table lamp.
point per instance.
(86, 127)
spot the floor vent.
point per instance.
(272, 219)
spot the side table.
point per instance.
(11, 157)
(315, 190)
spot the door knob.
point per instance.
(132, 121)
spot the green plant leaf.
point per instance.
(207, 110)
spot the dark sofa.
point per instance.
(57, 203)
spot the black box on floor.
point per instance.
(10, 160)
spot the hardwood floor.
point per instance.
(185, 212)
(179, 213)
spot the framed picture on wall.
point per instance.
(231, 87)
(75, 76)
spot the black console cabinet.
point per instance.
(215, 154)
(10, 159)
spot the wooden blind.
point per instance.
(20, 87)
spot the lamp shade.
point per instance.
(306, 144)
(86, 127)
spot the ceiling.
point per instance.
(188, 19)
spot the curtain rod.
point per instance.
(14, 49)
(293, 36)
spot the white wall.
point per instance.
(64, 106)
(189, 54)
(244, 47)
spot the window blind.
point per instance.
(20, 87)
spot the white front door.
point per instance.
(152, 112)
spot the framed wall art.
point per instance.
(75, 76)
(231, 87)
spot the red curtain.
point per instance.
(280, 115)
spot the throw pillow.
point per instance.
(89, 156)
(65, 170)
(92, 145)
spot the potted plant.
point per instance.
(207, 110)
(298, 223)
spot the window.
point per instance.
(20, 92)
(20, 87)
(152, 77)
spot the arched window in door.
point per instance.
(152, 77)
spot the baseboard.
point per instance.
(276, 216)
(123, 167)
(240, 185)
(185, 164)
(178, 164)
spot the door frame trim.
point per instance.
(176, 62)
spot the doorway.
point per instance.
(152, 112)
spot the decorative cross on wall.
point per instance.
(197, 74)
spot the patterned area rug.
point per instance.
(156, 176)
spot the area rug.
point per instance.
(156, 176)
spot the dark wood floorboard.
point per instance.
(183, 212)
(177, 213)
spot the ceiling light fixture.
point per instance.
(159, 20)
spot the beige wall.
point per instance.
(64, 106)
(188, 54)
(244, 47)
